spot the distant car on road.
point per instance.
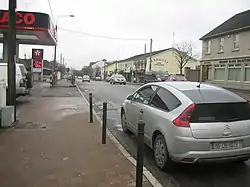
(176, 78)
(117, 78)
(190, 122)
(98, 78)
(162, 77)
(69, 77)
(108, 79)
(150, 78)
(85, 78)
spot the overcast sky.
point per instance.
(156, 19)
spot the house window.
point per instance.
(221, 47)
(234, 73)
(219, 73)
(236, 41)
(208, 46)
(247, 70)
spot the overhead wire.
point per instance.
(51, 12)
(102, 36)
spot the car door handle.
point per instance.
(141, 111)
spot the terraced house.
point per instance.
(226, 53)
(162, 61)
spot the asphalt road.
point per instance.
(212, 175)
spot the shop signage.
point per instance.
(37, 63)
(159, 62)
(37, 59)
(37, 54)
(21, 18)
(25, 20)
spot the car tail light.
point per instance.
(184, 118)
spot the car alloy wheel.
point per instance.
(161, 155)
(124, 122)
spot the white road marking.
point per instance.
(147, 174)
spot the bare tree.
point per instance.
(184, 52)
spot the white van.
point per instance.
(21, 80)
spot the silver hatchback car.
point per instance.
(189, 122)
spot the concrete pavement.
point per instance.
(222, 175)
(52, 144)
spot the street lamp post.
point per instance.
(55, 49)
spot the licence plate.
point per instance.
(226, 145)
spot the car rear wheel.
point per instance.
(161, 155)
(124, 122)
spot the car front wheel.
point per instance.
(161, 155)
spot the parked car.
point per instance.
(117, 78)
(162, 77)
(98, 78)
(176, 78)
(108, 79)
(24, 81)
(190, 122)
(150, 78)
(85, 78)
(69, 77)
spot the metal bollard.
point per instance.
(104, 122)
(139, 159)
(90, 108)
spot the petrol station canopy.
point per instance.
(32, 28)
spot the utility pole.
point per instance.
(145, 51)
(11, 96)
(63, 69)
(150, 60)
(116, 66)
(61, 58)
(173, 49)
(54, 64)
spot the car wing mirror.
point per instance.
(130, 97)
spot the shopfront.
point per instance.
(233, 73)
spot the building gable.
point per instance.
(238, 22)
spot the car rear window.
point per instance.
(221, 112)
(212, 96)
